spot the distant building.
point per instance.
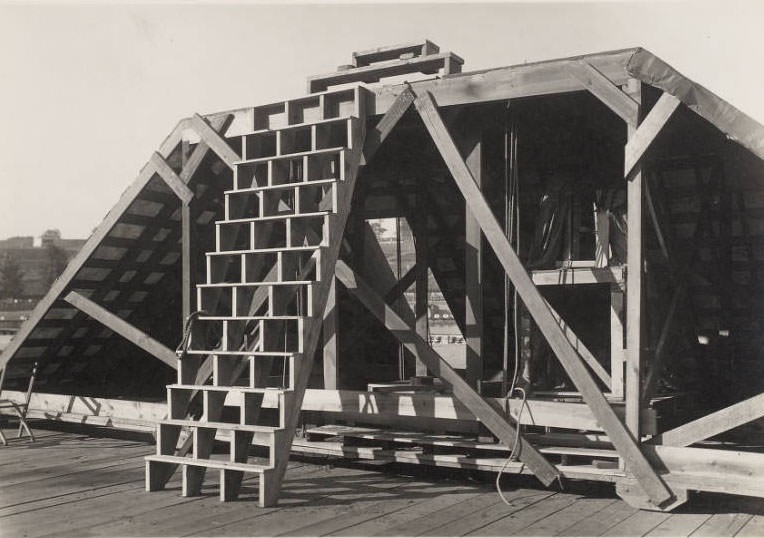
(17, 242)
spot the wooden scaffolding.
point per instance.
(591, 223)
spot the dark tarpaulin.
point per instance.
(650, 69)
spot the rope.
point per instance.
(513, 452)
(182, 348)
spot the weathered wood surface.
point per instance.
(75, 484)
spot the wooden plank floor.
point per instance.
(76, 483)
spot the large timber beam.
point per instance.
(123, 328)
(491, 417)
(625, 444)
(214, 140)
(634, 288)
(721, 421)
(648, 129)
(604, 89)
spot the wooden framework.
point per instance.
(288, 187)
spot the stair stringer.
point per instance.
(270, 488)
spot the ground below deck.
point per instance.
(77, 484)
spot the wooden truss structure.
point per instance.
(273, 203)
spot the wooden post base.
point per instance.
(157, 475)
(630, 491)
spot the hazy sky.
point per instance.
(89, 91)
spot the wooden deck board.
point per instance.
(519, 521)
(754, 527)
(319, 513)
(679, 525)
(76, 484)
(638, 524)
(599, 522)
(722, 525)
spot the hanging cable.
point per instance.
(512, 231)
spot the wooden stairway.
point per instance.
(263, 302)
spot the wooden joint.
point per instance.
(607, 92)
(172, 180)
(215, 142)
(648, 130)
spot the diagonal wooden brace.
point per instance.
(625, 444)
(123, 328)
(493, 418)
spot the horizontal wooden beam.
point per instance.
(431, 64)
(172, 180)
(542, 78)
(123, 328)
(578, 275)
(605, 90)
(491, 417)
(719, 422)
(723, 471)
(623, 441)
(648, 130)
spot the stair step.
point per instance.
(257, 284)
(289, 156)
(294, 126)
(225, 426)
(447, 441)
(265, 250)
(211, 464)
(249, 318)
(291, 185)
(274, 217)
(254, 390)
(220, 352)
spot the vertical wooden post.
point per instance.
(616, 341)
(187, 283)
(633, 391)
(473, 319)
(422, 276)
(330, 337)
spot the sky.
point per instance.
(88, 91)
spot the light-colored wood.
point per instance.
(579, 275)
(392, 52)
(394, 113)
(617, 336)
(648, 130)
(719, 422)
(488, 415)
(421, 271)
(331, 346)
(605, 90)
(123, 328)
(634, 292)
(312, 326)
(172, 180)
(473, 262)
(341, 404)
(214, 140)
(571, 362)
(186, 269)
(92, 243)
(372, 73)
